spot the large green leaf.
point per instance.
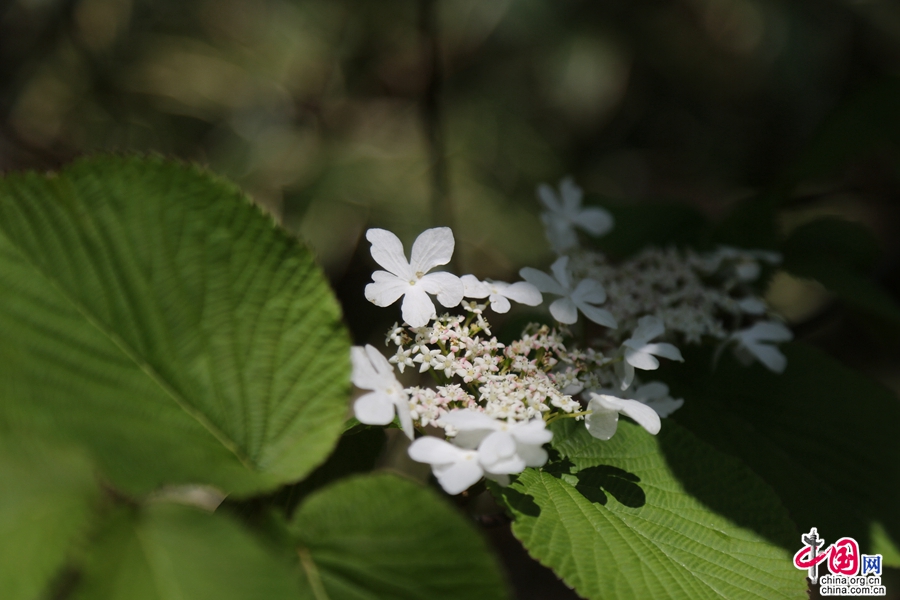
(822, 435)
(152, 313)
(622, 522)
(840, 255)
(167, 552)
(380, 536)
(47, 496)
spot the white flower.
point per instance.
(456, 469)
(757, 342)
(503, 448)
(483, 447)
(604, 416)
(432, 248)
(583, 297)
(656, 395)
(565, 214)
(499, 293)
(639, 352)
(372, 371)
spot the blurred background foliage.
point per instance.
(338, 115)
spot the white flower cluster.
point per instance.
(493, 401)
(694, 295)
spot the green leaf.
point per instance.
(47, 496)
(380, 536)
(655, 517)
(822, 435)
(840, 255)
(150, 312)
(167, 551)
(640, 225)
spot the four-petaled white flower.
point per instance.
(582, 297)
(499, 293)
(638, 352)
(564, 214)
(758, 342)
(411, 279)
(604, 415)
(483, 447)
(372, 371)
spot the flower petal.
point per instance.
(560, 232)
(665, 350)
(589, 290)
(560, 271)
(474, 288)
(665, 406)
(548, 198)
(432, 248)
(470, 420)
(386, 289)
(448, 288)
(752, 306)
(643, 415)
(542, 281)
(770, 356)
(651, 391)
(364, 375)
(406, 423)
(523, 293)
(600, 316)
(625, 372)
(770, 331)
(387, 250)
(571, 197)
(641, 360)
(434, 451)
(564, 311)
(533, 432)
(499, 304)
(595, 221)
(417, 308)
(374, 408)
(459, 476)
(534, 456)
(602, 422)
(383, 367)
(497, 454)
(649, 327)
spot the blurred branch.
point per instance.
(430, 106)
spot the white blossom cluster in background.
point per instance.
(491, 402)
